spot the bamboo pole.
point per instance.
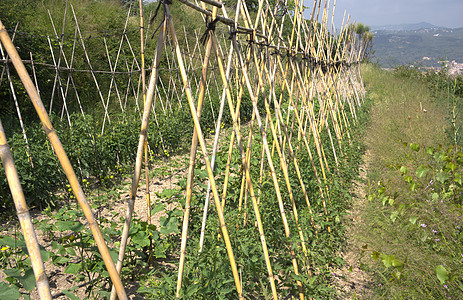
(60, 85)
(24, 217)
(270, 163)
(18, 111)
(70, 78)
(91, 70)
(140, 149)
(65, 163)
(143, 80)
(204, 150)
(283, 165)
(246, 170)
(191, 166)
(215, 148)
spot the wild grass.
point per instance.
(408, 219)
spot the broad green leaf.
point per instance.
(385, 200)
(415, 147)
(375, 255)
(104, 294)
(401, 209)
(11, 242)
(70, 225)
(71, 251)
(28, 281)
(157, 208)
(72, 268)
(15, 273)
(114, 255)
(442, 176)
(61, 260)
(403, 170)
(171, 226)
(435, 196)
(421, 171)
(394, 216)
(458, 178)
(387, 260)
(167, 193)
(430, 150)
(412, 186)
(450, 166)
(141, 239)
(398, 264)
(408, 178)
(391, 201)
(45, 254)
(70, 295)
(413, 220)
(442, 274)
(8, 292)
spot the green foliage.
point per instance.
(431, 221)
(208, 273)
(413, 214)
(101, 157)
(72, 248)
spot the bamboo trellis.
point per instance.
(309, 61)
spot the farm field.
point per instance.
(261, 158)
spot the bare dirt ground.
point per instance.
(352, 281)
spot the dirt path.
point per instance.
(352, 282)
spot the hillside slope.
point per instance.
(422, 47)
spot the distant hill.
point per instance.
(421, 44)
(405, 27)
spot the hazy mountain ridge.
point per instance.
(422, 44)
(405, 27)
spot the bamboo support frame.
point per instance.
(324, 91)
(64, 161)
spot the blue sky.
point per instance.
(447, 13)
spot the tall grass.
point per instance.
(412, 212)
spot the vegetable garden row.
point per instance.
(279, 95)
